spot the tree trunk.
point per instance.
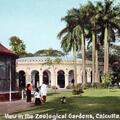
(106, 61)
(97, 67)
(75, 67)
(93, 57)
(83, 58)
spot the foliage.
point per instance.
(77, 90)
(49, 52)
(86, 85)
(50, 62)
(116, 73)
(17, 45)
(97, 85)
(107, 80)
(114, 53)
(28, 55)
(69, 86)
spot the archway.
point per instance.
(91, 76)
(22, 79)
(35, 78)
(71, 77)
(47, 77)
(61, 79)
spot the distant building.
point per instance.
(7, 69)
(34, 70)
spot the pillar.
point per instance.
(40, 78)
(28, 78)
(53, 78)
(66, 79)
(89, 76)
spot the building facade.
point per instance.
(57, 74)
(7, 69)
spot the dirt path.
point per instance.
(14, 106)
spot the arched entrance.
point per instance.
(61, 79)
(22, 79)
(71, 77)
(91, 76)
(35, 78)
(47, 77)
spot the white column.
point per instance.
(28, 78)
(40, 78)
(89, 76)
(79, 78)
(53, 78)
(66, 80)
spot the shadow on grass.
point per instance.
(79, 104)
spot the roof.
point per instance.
(44, 58)
(5, 51)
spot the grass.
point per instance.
(92, 101)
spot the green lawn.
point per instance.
(92, 101)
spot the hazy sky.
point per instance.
(36, 22)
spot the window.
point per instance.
(3, 71)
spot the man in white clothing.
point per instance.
(43, 91)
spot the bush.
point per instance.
(107, 80)
(86, 86)
(77, 90)
(69, 86)
(97, 85)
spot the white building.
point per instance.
(60, 74)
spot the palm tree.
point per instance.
(80, 20)
(92, 33)
(91, 26)
(76, 28)
(69, 43)
(99, 16)
(109, 18)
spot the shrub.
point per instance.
(86, 86)
(107, 80)
(97, 85)
(77, 90)
(69, 86)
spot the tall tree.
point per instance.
(94, 30)
(109, 18)
(77, 19)
(69, 43)
(17, 45)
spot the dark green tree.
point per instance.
(49, 52)
(109, 18)
(17, 45)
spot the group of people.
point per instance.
(39, 95)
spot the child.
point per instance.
(37, 97)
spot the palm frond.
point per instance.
(62, 32)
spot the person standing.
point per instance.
(37, 97)
(29, 89)
(43, 91)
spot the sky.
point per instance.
(36, 22)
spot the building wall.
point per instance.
(29, 66)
